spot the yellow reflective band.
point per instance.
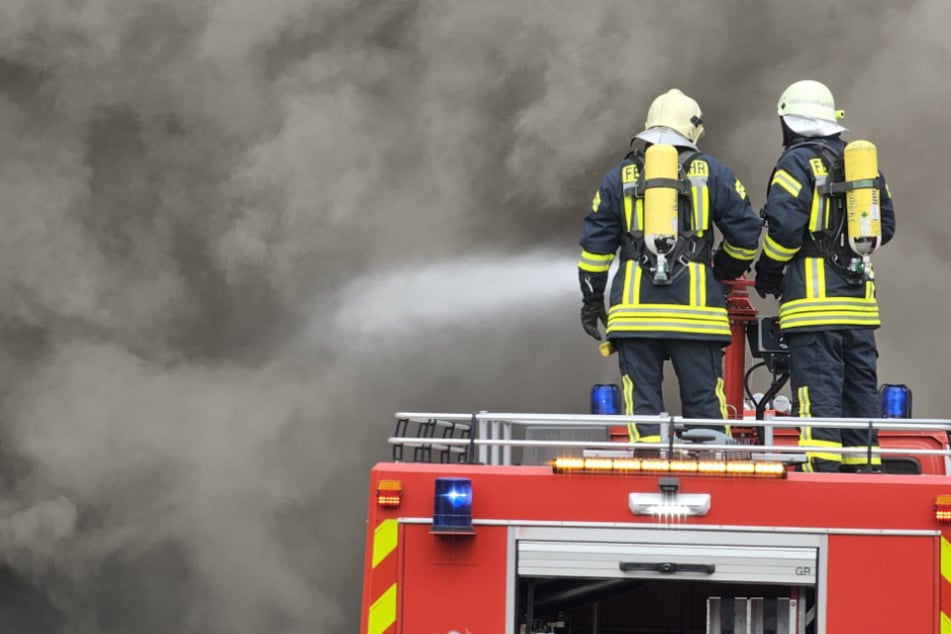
(818, 212)
(831, 457)
(787, 182)
(806, 438)
(639, 219)
(382, 613)
(677, 311)
(628, 213)
(815, 278)
(596, 202)
(629, 175)
(738, 252)
(632, 281)
(698, 283)
(595, 262)
(860, 304)
(627, 393)
(945, 559)
(385, 540)
(704, 320)
(699, 196)
(809, 281)
(804, 405)
(700, 199)
(775, 251)
(712, 330)
(721, 397)
(698, 210)
(701, 283)
(790, 323)
(829, 311)
(945, 624)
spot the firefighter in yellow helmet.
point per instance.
(821, 275)
(667, 299)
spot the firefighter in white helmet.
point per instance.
(667, 299)
(828, 311)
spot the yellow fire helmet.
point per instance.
(676, 111)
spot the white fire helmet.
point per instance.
(810, 99)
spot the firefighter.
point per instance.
(828, 311)
(667, 298)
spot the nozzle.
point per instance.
(607, 348)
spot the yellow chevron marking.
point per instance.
(385, 539)
(945, 559)
(382, 613)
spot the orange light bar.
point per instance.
(389, 494)
(622, 466)
(942, 509)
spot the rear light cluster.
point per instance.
(389, 494)
(942, 509)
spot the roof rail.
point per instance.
(490, 437)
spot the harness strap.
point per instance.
(831, 242)
(673, 183)
(838, 189)
(689, 247)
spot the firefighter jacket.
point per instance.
(693, 305)
(817, 293)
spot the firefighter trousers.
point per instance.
(833, 374)
(699, 369)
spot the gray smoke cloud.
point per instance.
(239, 235)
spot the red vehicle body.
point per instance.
(630, 539)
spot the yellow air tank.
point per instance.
(661, 212)
(862, 201)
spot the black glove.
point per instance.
(769, 277)
(591, 313)
(727, 267)
(592, 310)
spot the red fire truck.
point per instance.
(506, 523)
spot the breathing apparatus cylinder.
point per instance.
(661, 211)
(862, 200)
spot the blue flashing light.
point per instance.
(605, 399)
(452, 508)
(896, 401)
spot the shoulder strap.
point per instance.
(697, 207)
(632, 181)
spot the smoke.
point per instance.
(239, 235)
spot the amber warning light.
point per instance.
(631, 466)
(389, 494)
(942, 509)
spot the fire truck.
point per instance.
(515, 523)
